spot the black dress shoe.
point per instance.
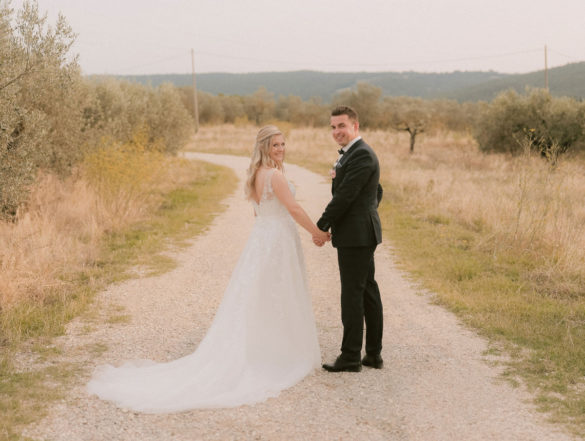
(374, 361)
(343, 366)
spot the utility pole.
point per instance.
(195, 107)
(545, 69)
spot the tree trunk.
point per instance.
(412, 139)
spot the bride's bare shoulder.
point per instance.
(264, 171)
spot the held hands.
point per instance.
(320, 237)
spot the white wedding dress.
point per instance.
(262, 340)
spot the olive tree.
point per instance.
(259, 106)
(547, 124)
(365, 99)
(51, 117)
(39, 83)
(412, 115)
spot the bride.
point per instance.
(263, 337)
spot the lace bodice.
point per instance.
(269, 204)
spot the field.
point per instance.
(499, 239)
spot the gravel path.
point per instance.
(436, 384)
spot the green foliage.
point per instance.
(211, 110)
(38, 95)
(50, 117)
(302, 113)
(232, 108)
(365, 99)
(118, 110)
(168, 120)
(259, 106)
(414, 115)
(546, 124)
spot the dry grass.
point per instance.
(520, 202)
(61, 230)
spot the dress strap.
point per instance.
(267, 191)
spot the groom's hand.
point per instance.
(321, 237)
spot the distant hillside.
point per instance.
(567, 80)
(307, 84)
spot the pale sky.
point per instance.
(156, 36)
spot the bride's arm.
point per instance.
(284, 195)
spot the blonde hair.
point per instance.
(261, 157)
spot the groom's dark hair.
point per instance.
(345, 110)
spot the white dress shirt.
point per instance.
(346, 147)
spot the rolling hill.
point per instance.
(567, 80)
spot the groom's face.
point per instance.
(343, 129)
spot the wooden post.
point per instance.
(545, 69)
(195, 107)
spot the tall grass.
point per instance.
(522, 203)
(60, 231)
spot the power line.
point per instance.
(195, 104)
(303, 64)
(402, 62)
(158, 61)
(563, 55)
(448, 60)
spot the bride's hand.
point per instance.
(320, 237)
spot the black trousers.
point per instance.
(360, 300)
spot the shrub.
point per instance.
(365, 99)
(123, 176)
(548, 124)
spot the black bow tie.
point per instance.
(341, 152)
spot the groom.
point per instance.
(352, 216)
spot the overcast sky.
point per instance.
(156, 36)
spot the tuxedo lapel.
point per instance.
(339, 168)
(346, 156)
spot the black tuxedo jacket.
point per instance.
(352, 213)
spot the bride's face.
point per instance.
(276, 151)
